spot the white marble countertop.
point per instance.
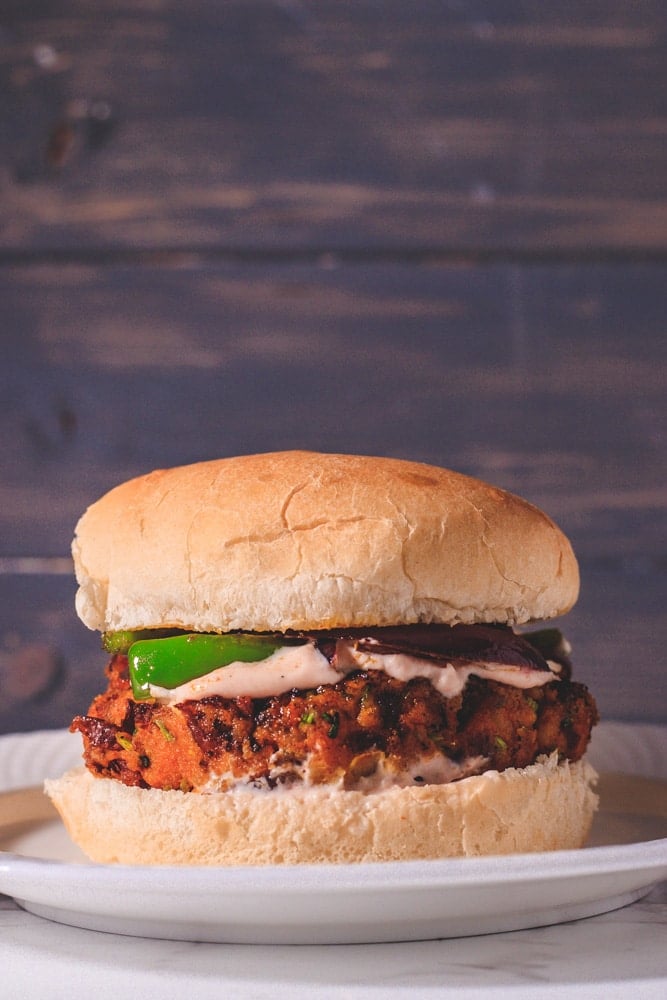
(618, 954)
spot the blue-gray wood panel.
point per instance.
(484, 127)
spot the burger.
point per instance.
(325, 658)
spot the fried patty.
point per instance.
(345, 733)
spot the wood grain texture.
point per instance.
(50, 665)
(435, 127)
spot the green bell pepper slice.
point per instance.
(170, 662)
(120, 642)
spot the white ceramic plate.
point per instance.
(340, 904)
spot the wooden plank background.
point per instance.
(430, 230)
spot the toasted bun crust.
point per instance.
(547, 806)
(300, 540)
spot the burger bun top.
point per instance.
(301, 540)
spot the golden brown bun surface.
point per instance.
(300, 540)
(547, 806)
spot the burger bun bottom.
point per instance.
(546, 806)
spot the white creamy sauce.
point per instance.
(436, 770)
(449, 680)
(293, 778)
(289, 667)
(304, 667)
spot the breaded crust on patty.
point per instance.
(365, 728)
